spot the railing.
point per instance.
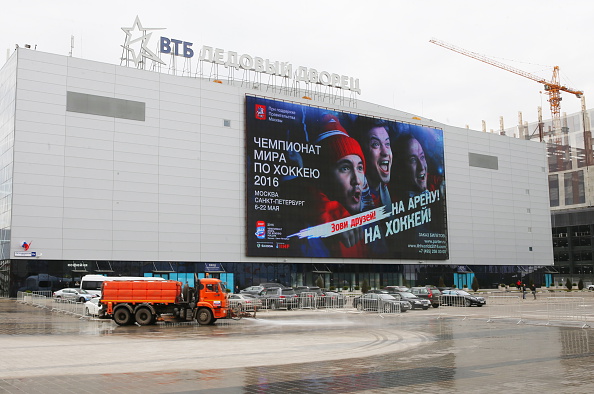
(310, 300)
(381, 307)
(505, 307)
(563, 309)
(500, 306)
(44, 301)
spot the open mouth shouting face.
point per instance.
(415, 166)
(346, 178)
(378, 155)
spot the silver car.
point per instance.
(71, 294)
(247, 302)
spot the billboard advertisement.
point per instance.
(324, 183)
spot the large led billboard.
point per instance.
(323, 183)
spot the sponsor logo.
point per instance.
(136, 44)
(260, 112)
(261, 230)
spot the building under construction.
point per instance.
(571, 190)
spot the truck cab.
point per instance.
(212, 301)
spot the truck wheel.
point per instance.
(205, 316)
(144, 316)
(122, 316)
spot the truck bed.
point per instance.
(159, 292)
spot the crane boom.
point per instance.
(553, 87)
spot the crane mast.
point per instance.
(553, 87)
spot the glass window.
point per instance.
(554, 190)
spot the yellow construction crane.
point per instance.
(552, 87)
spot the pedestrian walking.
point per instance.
(524, 291)
(533, 290)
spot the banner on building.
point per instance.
(323, 183)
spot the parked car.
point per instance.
(333, 299)
(310, 296)
(415, 302)
(308, 289)
(248, 302)
(277, 298)
(381, 303)
(70, 294)
(429, 293)
(92, 307)
(274, 284)
(252, 290)
(461, 298)
(395, 289)
(378, 291)
(590, 287)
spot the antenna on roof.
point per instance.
(71, 45)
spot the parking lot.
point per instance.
(446, 349)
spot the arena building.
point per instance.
(133, 169)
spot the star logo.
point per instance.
(137, 38)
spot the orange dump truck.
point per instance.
(144, 302)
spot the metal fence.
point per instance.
(337, 302)
(505, 307)
(308, 301)
(41, 300)
(564, 309)
(500, 306)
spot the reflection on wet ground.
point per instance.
(305, 352)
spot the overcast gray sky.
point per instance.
(383, 43)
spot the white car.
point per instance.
(92, 307)
(590, 287)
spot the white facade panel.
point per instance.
(41, 87)
(51, 75)
(42, 118)
(134, 167)
(95, 87)
(39, 131)
(89, 194)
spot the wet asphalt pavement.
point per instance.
(439, 350)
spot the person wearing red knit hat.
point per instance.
(337, 194)
(342, 165)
